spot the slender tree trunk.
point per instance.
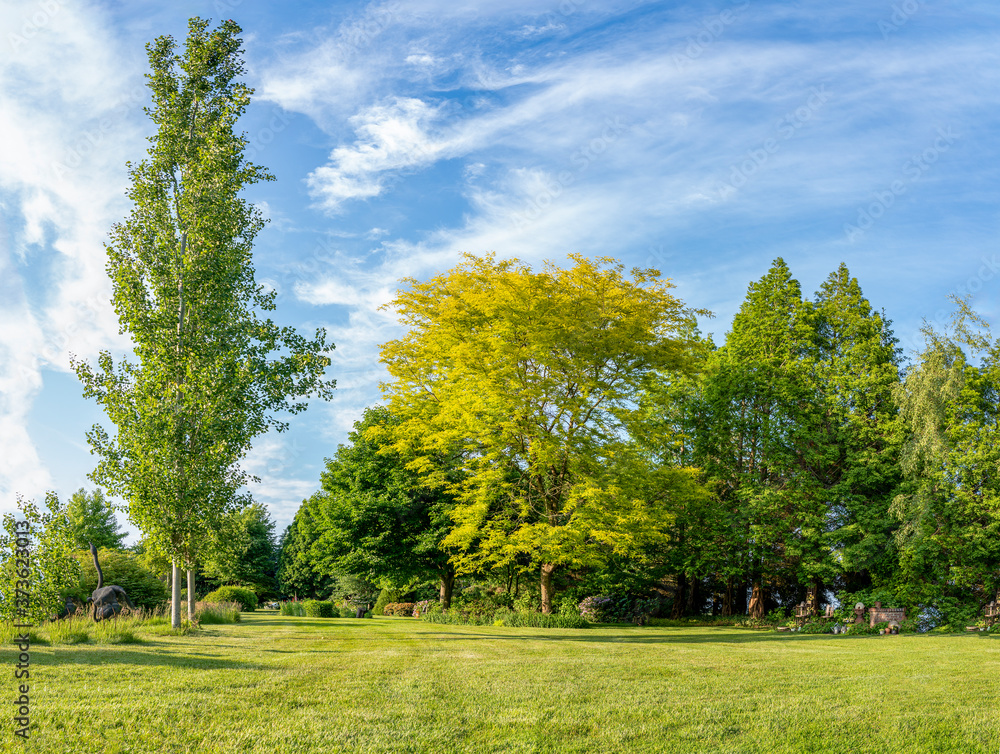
(175, 596)
(741, 597)
(727, 598)
(679, 591)
(815, 596)
(447, 584)
(693, 606)
(547, 569)
(190, 574)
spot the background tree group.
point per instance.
(572, 427)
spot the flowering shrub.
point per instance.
(422, 608)
(619, 608)
(597, 609)
(398, 608)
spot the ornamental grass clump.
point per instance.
(219, 613)
(294, 609)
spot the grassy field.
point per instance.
(283, 684)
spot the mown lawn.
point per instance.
(282, 684)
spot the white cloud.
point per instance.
(67, 117)
(390, 137)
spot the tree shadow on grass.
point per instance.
(639, 636)
(136, 654)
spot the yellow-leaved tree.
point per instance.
(536, 378)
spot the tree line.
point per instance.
(573, 427)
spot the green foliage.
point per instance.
(948, 511)
(347, 612)
(375, 517)
(402, 609)
(124, 569)
(508, 618)
(245, 597)
(528, 601)
(93, 520)
(218, 614)
(534, 377)
(819, 627)
(384, 598)
(702, 620)
(249, 557)
(37, 565)
(293, 608)
(205, 381)
(318, 609)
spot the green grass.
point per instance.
(286, 684)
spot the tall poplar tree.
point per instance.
(210, 373)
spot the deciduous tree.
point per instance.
(536, 378)
(210, 373)
(92, 519)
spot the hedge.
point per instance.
(318, 609)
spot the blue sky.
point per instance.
(704, 139)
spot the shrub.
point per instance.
(610, 608)
(318, 608)
(293, 608)
(239, 594)
(348, 612)
(385, 597)
(528, 602)
(568, 607)
(596, 609)
(423, 607)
